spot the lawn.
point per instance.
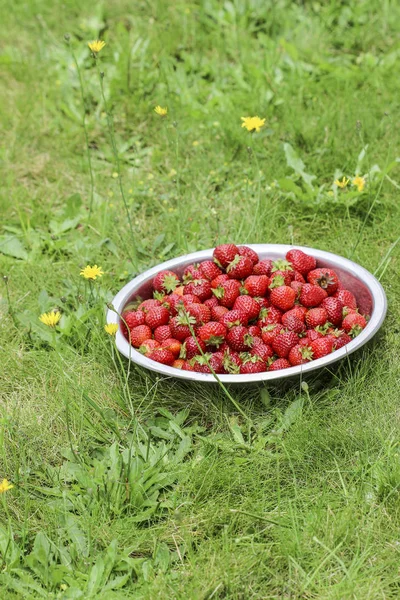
(128, 485)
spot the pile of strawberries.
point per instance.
(239, 314)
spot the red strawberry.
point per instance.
(212, 333)
(313, 334)
(334, 308)
(240, 267)
(139, 334)
(234, 318)
(321, 347)
(346, 298)
(250, 367)
(280, 278)
(301, 261)
(162, 333)
(232, 361)
(282, 265)
(191, 273)
(133, 318)
(270, 332)
(148, 346)
(256, 285)
(209, 270)
(200, 312)
(216, 282)
(262, 350)
(239, 339)
(299, 355)
(187, 366)
(202, 364)
(296, 311)
(180, 329)
(291, 322)
(263, 302)
(353, 324)
(251, 254)
(190, 347)
(163, 356)
(157, 316)
(296, 286)
(165, 282)
(325, 278)
(312, 295)
(178, 363)
(217, 312)
(200, 288)
(187, 299)
(278, 364)
(227, 292)
(283, 297)
(172, 345)
(264, 267)
(213, 301)
(269, 315)
(341, 340)
(298, 277)
(316, 317)
(171, 302)
(224, 254)
(284, 342)
(254, 331)
(248, 305)
(146, 305)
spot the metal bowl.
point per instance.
(369, 293)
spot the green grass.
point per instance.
(130, 486)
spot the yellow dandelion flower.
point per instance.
(111, 328)
(96, 46)
(253, 123)
(51, 318)
(359, 182)
(162, 112)
(92, 272)
(343, 183)
(5, 485)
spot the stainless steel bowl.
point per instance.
(369, 293)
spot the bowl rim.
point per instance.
(376, 319)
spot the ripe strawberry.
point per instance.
(291, 322)
(341, 340)
(262, 350)
(216, 282)
(190, 347)
(202, 364)
(148, 346)
(298, 277)
(191, 273)
(353, 324)
(297, 311)
(334, 308)
(162, 333)
(313, 334)
(278, 364)
(209, 270)
(301, 261)
(296, 286)
(187, 299)
(165, 282)
(251, 254)
(200, 312)
(139, 334)
(240, 267)
(146, 305)
(262, 302)
(316, 317)
(239, 339)
(299, 355)
(268, 316)
(171, 303)
(133, 318)
(234, 318)
(264, 267)
(172, 345)
(157, 316)
(250, 367)
(269, 332)
(247, 305)
(256, 285)
(283, 297)
(187, 366)
(325, 278)
(217, 312)
(225, 254)
(254, 331)
(200, 288)
(178, 363)
(212, 333)
(232, 362)
(179, 326)
(213, 301)
(227, 292)
(321, 347)
(284, 342)
(163, 356)
(312, 295)
(346, 298)
(280, 278)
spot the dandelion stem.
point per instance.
(10, 309)
(117, 164)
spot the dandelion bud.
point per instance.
(175, 123)
(5, 279)
(102, 74)
(249, 150)
(358, 125)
